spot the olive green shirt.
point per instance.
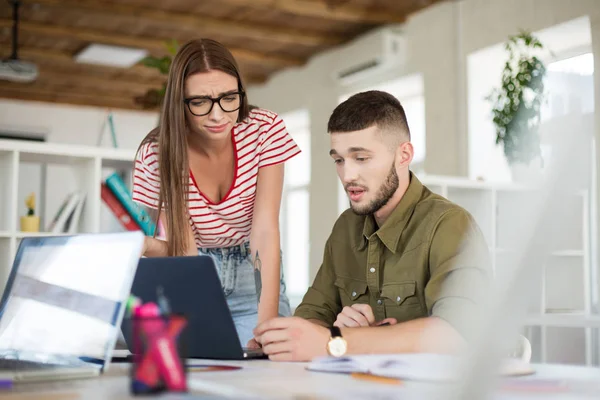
(429, 258)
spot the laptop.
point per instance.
(537, 225)
(193, 288)
(63, 305)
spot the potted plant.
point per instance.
(516, 103)
(30, 222)
(153, 97)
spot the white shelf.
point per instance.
(465, 183)
(47, 152)
(568, 279)
(564, 320)
(568, 253)
(21, 235)
(52, 171)
(559, 253)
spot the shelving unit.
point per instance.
(68, 168)
(561, 311)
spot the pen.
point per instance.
(6, 383)
(375, 378)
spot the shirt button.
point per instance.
(372, 270)
(379, 302)
(398, 299)
(353, 294)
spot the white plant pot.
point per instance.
(527, 174)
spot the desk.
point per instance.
(270, 380)
(256, 379)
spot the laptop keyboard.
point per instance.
(11, 364)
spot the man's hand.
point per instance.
(292, 339)
(359, 315)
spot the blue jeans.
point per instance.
(234, 266)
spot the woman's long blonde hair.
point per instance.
(201, 55)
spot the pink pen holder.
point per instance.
(158, 354)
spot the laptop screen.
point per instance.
(66, 295)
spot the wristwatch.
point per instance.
(337, 345)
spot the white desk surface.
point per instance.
(274, 380)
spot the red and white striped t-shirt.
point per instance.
(260, 140)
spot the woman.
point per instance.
(213, 170)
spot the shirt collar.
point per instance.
(391, 230)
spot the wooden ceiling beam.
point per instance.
(40, 93)
(151, 44)
(94, 84)
(320, 9)
(222, 26)
(65, 61)
(137, 73)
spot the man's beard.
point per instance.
(384, 194)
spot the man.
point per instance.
(400, 256)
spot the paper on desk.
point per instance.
(421, 367)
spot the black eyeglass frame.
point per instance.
(214, 100)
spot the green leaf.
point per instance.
(173, 47)
(516, 121)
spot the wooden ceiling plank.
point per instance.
(56, 78)
(225, 27)
(320, 9)
(151, 44)
(47, 95)
(136, 73)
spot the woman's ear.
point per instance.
(404, 154)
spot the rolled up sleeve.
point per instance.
(321, 301)
(460, 271)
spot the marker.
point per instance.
(132, 304)
(376, 378)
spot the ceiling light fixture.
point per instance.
(114, 56)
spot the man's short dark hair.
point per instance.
(365, 109)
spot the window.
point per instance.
(569, 86)
(294, 216)
(409, 90)
(568, 91)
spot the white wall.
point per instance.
(75, 124)
(439, 40)
(71, 125)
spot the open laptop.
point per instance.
(63, 304)
(193, 288)
(537, 225)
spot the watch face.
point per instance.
(337, 347)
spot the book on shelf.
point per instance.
(68, 215)
(120, 192)
(117, 209)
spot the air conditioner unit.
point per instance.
(369, 55)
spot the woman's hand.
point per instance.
(253, 344)
(154, 247)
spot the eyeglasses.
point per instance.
(203, 105)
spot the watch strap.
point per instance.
(335, 331)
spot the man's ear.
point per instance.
(404, 154)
